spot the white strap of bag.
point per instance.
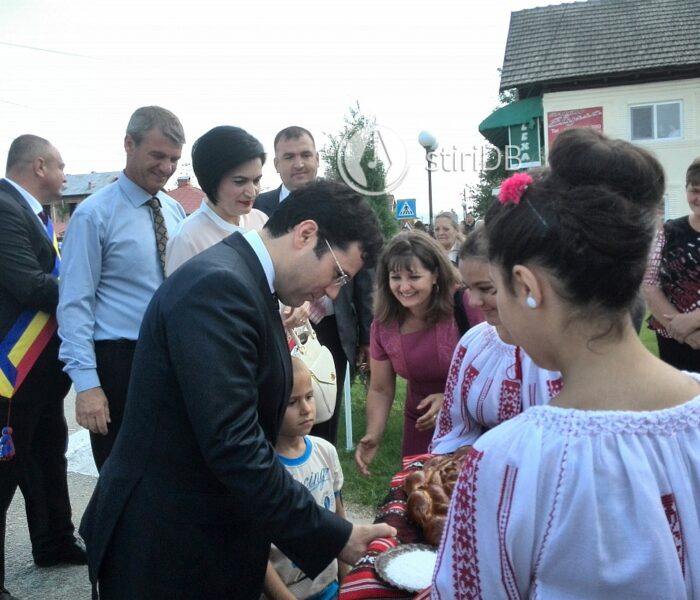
(305, 327)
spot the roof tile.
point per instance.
(600, 37)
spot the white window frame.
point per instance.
(655, 106)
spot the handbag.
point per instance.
(319, 360)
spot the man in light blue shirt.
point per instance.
(113, 256)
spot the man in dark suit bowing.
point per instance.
(341, 323)
(32, 384)
(193, 494)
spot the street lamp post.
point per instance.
(464, 204)
(428, 141)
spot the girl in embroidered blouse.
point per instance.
(672, 282)
(413, 334)
(490, 380)
(594, 495)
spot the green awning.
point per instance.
(495, 127)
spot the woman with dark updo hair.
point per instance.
(227, 162)
(595, 495)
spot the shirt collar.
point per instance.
(34, 204)
(134, 193)
(284, 192)
(211, 213)
(256, 243)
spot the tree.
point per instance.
(351, 157)
(493, 167)
(493, 172)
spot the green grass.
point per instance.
(371, 491)
(648, 338)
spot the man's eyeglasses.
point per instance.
(344, 277)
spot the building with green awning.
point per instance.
(495, 127)
(630, 69)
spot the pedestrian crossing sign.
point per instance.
(406, 209)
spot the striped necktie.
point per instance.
(160, 229)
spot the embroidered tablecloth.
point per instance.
(363, 582)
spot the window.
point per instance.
(658, 121)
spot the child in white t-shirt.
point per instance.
(313, 462)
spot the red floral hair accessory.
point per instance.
(512, 188)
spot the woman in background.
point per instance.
(672, 282)
(448, 235)
(413, 335)
(227, 162)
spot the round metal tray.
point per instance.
(385, 559)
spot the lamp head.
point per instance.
(428, 141)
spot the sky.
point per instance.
(74, 72)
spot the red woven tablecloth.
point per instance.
(363, 583)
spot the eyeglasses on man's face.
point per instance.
(344, 277)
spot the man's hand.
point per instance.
(362, 364)
(92, 410)
(295, 317)
(362, 357)
(360, 538)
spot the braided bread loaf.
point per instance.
(429, 491)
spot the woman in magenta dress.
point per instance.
(413, 335)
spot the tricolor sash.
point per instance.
(27, 338)
(21, 347)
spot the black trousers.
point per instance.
(114, 358)
(679, 355)
(39, 468)
(327, 332)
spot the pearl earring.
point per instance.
(531, 302)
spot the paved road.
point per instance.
(22, 577)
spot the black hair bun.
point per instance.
(585, 157)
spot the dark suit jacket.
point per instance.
(353, 313)
(268, 201)
(26, 260)
(192, 494)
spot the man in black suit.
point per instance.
(33, 385)
(296, 161)
(193, 493)
(343, 323)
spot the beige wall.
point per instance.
(675, 155)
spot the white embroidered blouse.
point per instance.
(489, 382)
(562, 503)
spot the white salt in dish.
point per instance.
(409, 567)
